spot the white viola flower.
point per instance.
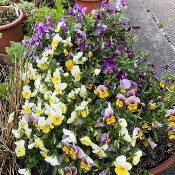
(82, 106)
(56, 39)
(83, 91)
(69, 136)
(152, 144)
(71, 94)
(48, 77)
(28, 131)
(134, 137)
(63, 107)
(11, 117)
(33, 74)
(66, 74)
(67, 42)
(122, 122)
(56, 77)
(124, 132)
(41, 63)
(52, 160)
(38, 85)
(57, 117)
(74, 116)
(47, 94)
(38, 109)
(97, 71)
(44, 152)
(100, 151)
(17, 133)
(86, 141)
(122, 166)
(76, 58)
(45, 124)
(136, 157)
(53, 99)
(59, 87)
(76, 72)
(47, 53)
(59, 26)
(26, 92)
(24, 171)
(20, 148)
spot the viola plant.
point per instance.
(90, 102)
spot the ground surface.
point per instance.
(158, 42)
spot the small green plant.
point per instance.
(5, 2)
(7, 16)
(160, 25)
(26, 7)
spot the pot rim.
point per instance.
(14, 22)
(160, 168)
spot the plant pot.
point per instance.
(162, 167)
(90, 4)
(11, 32)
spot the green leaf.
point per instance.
(15, 51)
(55, 170)
(156, 136)
(0, 35)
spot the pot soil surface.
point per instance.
(7, 16)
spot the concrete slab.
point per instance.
(150, 37)
(164, 11)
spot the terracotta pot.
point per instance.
(11, 32)
(163, 166)
(90, 4)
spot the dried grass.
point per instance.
(11, 102)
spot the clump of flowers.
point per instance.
(90, 104)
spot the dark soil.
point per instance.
(164, 149)
(7, 16)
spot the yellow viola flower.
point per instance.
(85, 141)
(152, 106)
(162, 85)
(122, 166)
(90, 54)
(20, 148)
(26, 92)
(132, 107)
(69, 64)
(45, 124)
(84, 166)
(118, 104)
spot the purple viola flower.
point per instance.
(83, 10)
(71, 170)
(165, 67)
(27, 118)
(137, 88)
(113, 55)
(170, 112)
(133, 100)
(121, 4)
(93, 12)
(126, 84)
(47, 17)
(121, 75)
(35, 119)
(130, 93)
(103, 138)
(78, 25)
(85, 133)
(109, 66)
(122, 98)
(98, 125)
(104, 173)
(170, 128)
(108, 43)
(80, 153)
(158, 125)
